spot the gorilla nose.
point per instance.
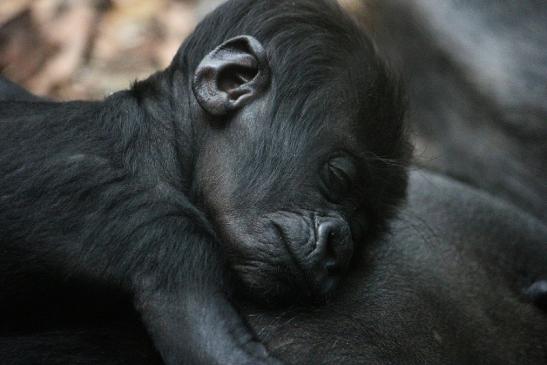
(332, 253)
(321, 248)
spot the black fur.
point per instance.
(476, 75)
(147, 196)
(442, 288)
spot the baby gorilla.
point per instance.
(271, 145)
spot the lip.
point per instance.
(327, 276)
(304, 283)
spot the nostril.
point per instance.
(328, 231)
(332, 267)
(332, 244)
(327, 240)
(319, 247)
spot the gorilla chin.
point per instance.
(288, 255)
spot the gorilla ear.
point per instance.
(231, 76)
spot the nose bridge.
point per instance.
(309, 225)
(314, 237)
(320, 245)
(295, 230)
(329, 219)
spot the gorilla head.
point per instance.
(301, 146)
(273, 143)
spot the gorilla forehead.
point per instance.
(328, 91)
(320, 61)
(309, 44)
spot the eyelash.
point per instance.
(340, 176)
(337, 181)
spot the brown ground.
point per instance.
(81, 49)
(89, 48)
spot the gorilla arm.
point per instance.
(445, 287)
(90, 219)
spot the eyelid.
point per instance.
(345, 164)
(339, 172)
(338, 177)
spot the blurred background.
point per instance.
(72, 49)
(475, 71)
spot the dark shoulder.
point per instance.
(452, 221)
(444, 200)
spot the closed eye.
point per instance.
(338, 177)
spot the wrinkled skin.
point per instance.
(442, 288)
(450, 285)
(271, 145)
(304, 168)
(277, 212)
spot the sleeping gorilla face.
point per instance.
(304, 149)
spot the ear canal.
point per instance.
(231, 76)
(232, 80)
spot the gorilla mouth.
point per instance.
(320, 258)
(304, 281)
(287, 255)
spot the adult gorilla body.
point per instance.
(272, 142)
(476, 73)
(443, 288)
